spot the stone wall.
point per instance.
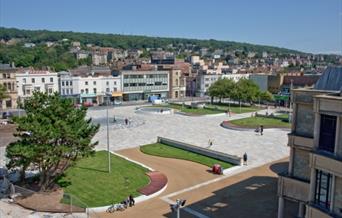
(338, 196)
(301, 168)
(304, 120)
(199, 150)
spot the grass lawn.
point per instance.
(90, 181)
(234, 108)
(209, 109)
(158, 149)
(284, 116)
(253, 122)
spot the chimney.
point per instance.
(12, 65)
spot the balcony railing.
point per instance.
(325, 161)
(316, 212)
(296, 140)
(293, 188)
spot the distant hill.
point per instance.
(134, 41)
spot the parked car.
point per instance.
(88, 104)
(6, 115)
(117, 102)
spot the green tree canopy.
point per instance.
(266, 96)
(246, 90)
(3, 93)
(52, 136)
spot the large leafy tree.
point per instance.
(266, 96)
(246, 90)
(52, 136)
(3, 94)
(222, 88)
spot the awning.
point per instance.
(116, 94)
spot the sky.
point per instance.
(306, 25)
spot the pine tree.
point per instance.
(52, 136)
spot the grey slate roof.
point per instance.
(330, 80)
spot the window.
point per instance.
(94, 90)
(67, 91)
(63, 92)
(70, 91)
(67, 83)
(51, 79)
(4, 75)
(94, 82)
(33, 80)
(158, 83)
(28, 92)
(43, 80)
(50, 91)
(114, 82)
(70, 83)
(107, 90)
(62, 83)
(82, 91)
(24, 80)
(86, 83)
(115, 89)
(327, 133)
(107, 83)
(37, 89)
(86, 91)
(323, 189)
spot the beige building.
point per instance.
(8, 80)
(314, 177)
(177, 84)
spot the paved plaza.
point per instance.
(196, 130)
(144, 128)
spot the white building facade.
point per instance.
(235, 77)
(91, 89)
(36, 80)
(203, 82)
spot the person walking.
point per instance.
(131, 201)
(245, 159)
(261, 129)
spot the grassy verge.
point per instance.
(90, 181)
(253, 122)
(233, 107)
(209, 109)
(158, 149)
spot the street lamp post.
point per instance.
(290, 112)
(177, 206)
(109, 168)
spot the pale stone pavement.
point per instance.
(196, 130)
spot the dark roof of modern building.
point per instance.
(307, 80)
(330, 80)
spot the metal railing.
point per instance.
(74, 201)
